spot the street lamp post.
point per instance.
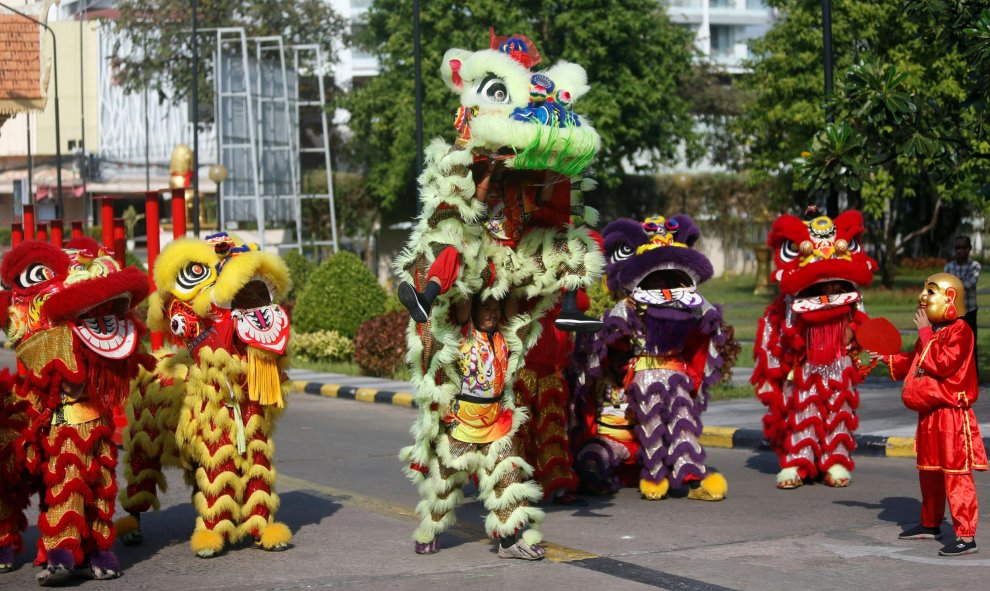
(58, 128)
(832, 200)
(195, 122)
(418, 94)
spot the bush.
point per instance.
(323, 346)
(925, 263)
(380, 346)
(339, 295)
(300, 268)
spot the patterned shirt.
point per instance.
(969, 274)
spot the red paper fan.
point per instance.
(880, 336)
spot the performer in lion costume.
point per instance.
(217, 298)
(495, 225)
(71, 321)
(806, 362)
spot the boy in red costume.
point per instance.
(940, 384)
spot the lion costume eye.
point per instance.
(622, 252)
(788, 251)
(192, 275)
(854, 245)
(35, 273)
(495, 90)
(178, 325)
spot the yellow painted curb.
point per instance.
(403, 399)
(365, 395)
(900, 447)
(717, 437)
(329, 390)
(299, 386)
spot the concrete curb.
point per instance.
(723, 437)
(866, 445)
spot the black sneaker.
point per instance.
(958, 548)
(412, 300)
(578, 322)
(920, 532)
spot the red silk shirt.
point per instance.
(940, 385)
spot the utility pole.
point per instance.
(195, 121)
(832, 199)
(418, 92)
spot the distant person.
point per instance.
(968, 271)
(940, 385)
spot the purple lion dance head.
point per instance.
(654, 261)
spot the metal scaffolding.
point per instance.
(260, 137)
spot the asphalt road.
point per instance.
(351, 510)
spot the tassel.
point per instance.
(264, 385)
(239, 421)
(825, 342)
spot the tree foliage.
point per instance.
(787, 79)
(633, 54)
(154, 47)
(903, 144)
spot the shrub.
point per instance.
(339, 295)
(729, 351)
(323, 346)
(600, 300)
(300, 268)
(934, 263)
(380, 346)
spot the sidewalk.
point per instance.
(886, 427)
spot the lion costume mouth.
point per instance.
(672, 287)
(260, 323)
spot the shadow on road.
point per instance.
(764, 463)
(901, 510)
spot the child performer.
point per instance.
(940, 385)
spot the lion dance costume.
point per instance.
(77, 341)
(543, 390)
(667, 337)
(515, 242)
(806, 368)
(212, 408)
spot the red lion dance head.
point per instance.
(70, 318)
(821, 264)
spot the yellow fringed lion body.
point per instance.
(211, 407)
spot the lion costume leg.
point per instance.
(15, 488)
(506, 488)
(77, 514)
(218, 482)
(801, 441)
(442, 491)
(149, 445)
(597, 463)
(685, 456)
(544, 436)
(646, 396)
(259, 500)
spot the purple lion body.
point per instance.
(670, 335)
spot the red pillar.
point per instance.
(106, 221)
(178, 213)
(16, 233)
(151, 219)
(77, 230)
(119, 241)
(57, 233)
(42, 233)
(29, 222)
